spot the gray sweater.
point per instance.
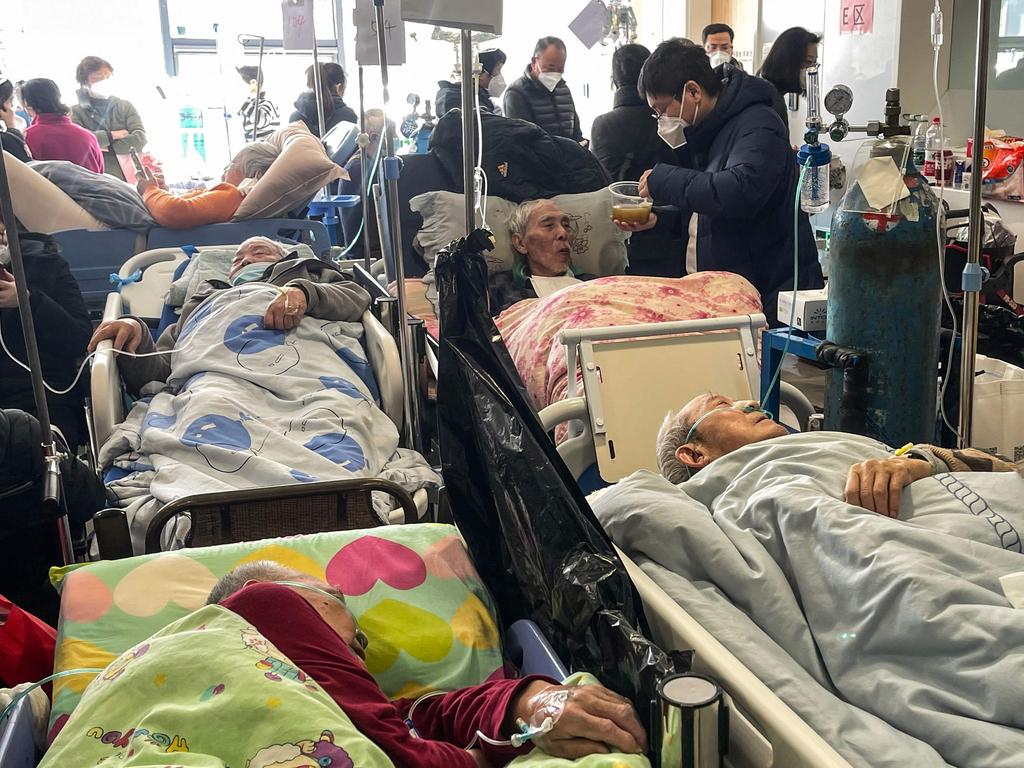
(330, 295)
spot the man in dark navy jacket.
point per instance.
(736, 173)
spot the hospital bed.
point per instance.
(109, 632)
(144, 298)
(94, 255)
(631, 377)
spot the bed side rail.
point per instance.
(780, 738)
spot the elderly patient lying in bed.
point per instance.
(898, 636)
(271, 673)
(262, 381)
(308, 621)
(711, 426)
(310, 287)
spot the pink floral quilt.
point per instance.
(530, 328)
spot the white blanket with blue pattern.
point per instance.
(249, 407)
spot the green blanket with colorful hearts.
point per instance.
(209, 691)
(214, 692)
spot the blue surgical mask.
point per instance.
(249, 272)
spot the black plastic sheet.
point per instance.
(534, 539)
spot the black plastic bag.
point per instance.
(534, 539)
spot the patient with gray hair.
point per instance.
(208, 206)
(542, 237)
(308, 621)
(711, 426)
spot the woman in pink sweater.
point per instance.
(52, 135)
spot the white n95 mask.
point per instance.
(550, 80)
(718, 58)
(103, 89)
(497, 86)
(672, 130)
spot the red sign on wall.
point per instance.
(856, 17)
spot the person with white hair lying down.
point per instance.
(208, 206)
(711, 426)
(309, 287)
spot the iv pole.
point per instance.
(972, 275)
(392, 170)
(51, 503)
(469, 76)
(364, 172)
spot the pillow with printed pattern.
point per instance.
(412, 588)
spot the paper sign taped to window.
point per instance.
(364, 20)
(591, 23)
(297, 18)
(856, 17)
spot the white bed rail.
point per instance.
(763, 731)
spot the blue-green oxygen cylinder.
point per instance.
(884, 301)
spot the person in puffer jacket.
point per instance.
(541, 95)
(736, 174)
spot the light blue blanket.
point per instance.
(904, 619)
(248, 407)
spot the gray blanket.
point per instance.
(111, 200)
(904, 619)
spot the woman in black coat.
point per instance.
(793, 53)
(332, 91)
(62, 333)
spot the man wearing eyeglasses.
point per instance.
(734, 179)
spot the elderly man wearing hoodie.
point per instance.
(735, 175)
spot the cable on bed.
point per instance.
(274, 288)
(49, 678)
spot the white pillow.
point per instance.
(40, 205)
(301, 169)
(599, 248)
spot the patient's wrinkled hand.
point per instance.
(126, 334)
(876, 485)
(286, 311)
(592, 720)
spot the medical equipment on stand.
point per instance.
(813, 155)
(418, 125)
(883, 300)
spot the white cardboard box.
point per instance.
(811, 309)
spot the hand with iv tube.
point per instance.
(574, 721)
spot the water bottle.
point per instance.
(933, 150)
(920, 144)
